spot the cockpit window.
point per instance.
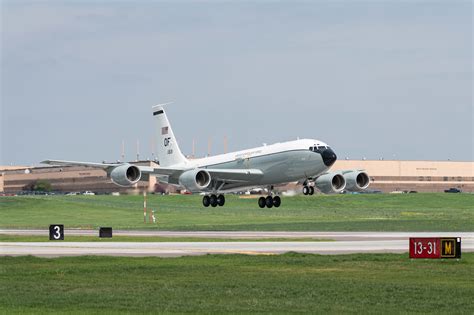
(319, 148)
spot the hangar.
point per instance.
(385, 175)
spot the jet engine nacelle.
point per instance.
(195, 180)
(356, 180)
(330, 183)
(125, 175)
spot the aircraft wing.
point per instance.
(223, 177)
(146, 170)
(75, 163)
(220, 175)
(105, 166)
(217, 174)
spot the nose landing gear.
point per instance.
(308, 190)
(308, 187)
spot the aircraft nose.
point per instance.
(329, 157)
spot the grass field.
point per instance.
(377, 212)
(290, 283)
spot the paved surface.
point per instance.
(345, 242)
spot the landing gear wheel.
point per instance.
(206, 201)
(269, 202)
(311, 190)
(213, 200)
(261, 202)
(220, 200)
(305, 190)
(276, 201)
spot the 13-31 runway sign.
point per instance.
(435, 247)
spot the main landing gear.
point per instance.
(269, 202)
(213, 200)
(219, 200)
(308, 190)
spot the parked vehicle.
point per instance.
(371, 192)
(88, 193)
(453, 190)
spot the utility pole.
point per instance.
(138, 150)
(152, 149)
(123, 150)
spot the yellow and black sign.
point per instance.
(451, 247)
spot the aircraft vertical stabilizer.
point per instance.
(168, 151)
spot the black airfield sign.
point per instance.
(105, 232)
(450, 248)
(56, 232)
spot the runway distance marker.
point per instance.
(435, 247)
(56, 232)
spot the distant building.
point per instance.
(70, 179)
(387, 176)
(422, 176)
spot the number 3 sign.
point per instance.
(56, 232)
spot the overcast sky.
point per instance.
(373, 79)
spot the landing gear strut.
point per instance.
(213, 200)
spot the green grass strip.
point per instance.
(376, 212)
(290, 283)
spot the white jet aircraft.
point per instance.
(305, 160)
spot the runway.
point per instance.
(341, 243)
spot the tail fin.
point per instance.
(168, 151)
